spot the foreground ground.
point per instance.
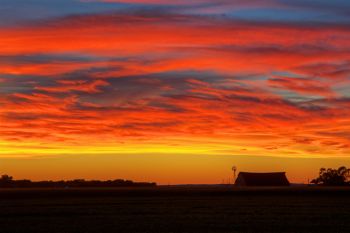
(175, 209)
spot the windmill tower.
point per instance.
(234, 169)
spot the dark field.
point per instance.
(176, 209)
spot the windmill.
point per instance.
(234, 169)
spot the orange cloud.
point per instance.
(176, 81)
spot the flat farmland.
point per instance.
(175, 209)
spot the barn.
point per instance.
(262, 179)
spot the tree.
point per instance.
(6, 181)
(333, 177)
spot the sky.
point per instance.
(173, 91)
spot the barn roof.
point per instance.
(262, 179)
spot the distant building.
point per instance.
(262, 179)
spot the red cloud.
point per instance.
(303, 86)
(197, 79)
(80, 85)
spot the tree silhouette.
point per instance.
(6, 181)
(333, 177)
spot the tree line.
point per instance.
(7, 181)
(327, 177)
(333, 177)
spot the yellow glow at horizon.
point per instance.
(199, 147)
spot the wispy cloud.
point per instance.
(184, 73)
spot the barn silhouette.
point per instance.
(262, 179)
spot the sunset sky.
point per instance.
(173, 91)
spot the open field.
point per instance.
(176, 209)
